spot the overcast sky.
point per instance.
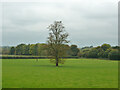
(88, 22)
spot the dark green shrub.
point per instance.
(114, 54)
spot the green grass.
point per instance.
(75, 73)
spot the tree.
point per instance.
(35, 49)
(56, 40)
(6, 50)
(105, 46)
(92, 53)
(74, 50)
(27, 49)
(20, 49)
(114, 54)
(12, 51)
(43, 51)
(80, 53)
(107, 53)
(101, 53)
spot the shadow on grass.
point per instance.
(70, 67)
(45, 66)
(57, 66)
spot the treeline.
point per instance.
(104, 51)
(40, 50)
(5, 50)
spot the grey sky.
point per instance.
(88, 22)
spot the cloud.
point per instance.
(88, 22)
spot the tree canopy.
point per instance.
(56, 40)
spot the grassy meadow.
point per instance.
(75, 73)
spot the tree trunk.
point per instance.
(56, 61)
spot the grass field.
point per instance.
(75, 73)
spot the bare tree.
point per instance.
(56, 40)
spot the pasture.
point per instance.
(75, 73)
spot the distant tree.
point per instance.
(56, 40)
(91, 46)
(116, 47)
(114, 54)
(101, 53)
(105, 46)
(6, 50)
(20, 49)
(74, 50)
(80, 53)
(27, 49)
(12, 51)
(93, 53)
(39, 49)
(85, 52)
(35, 49)
(106, 53)
(68, 51)
(30, 49)
(43, 51)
